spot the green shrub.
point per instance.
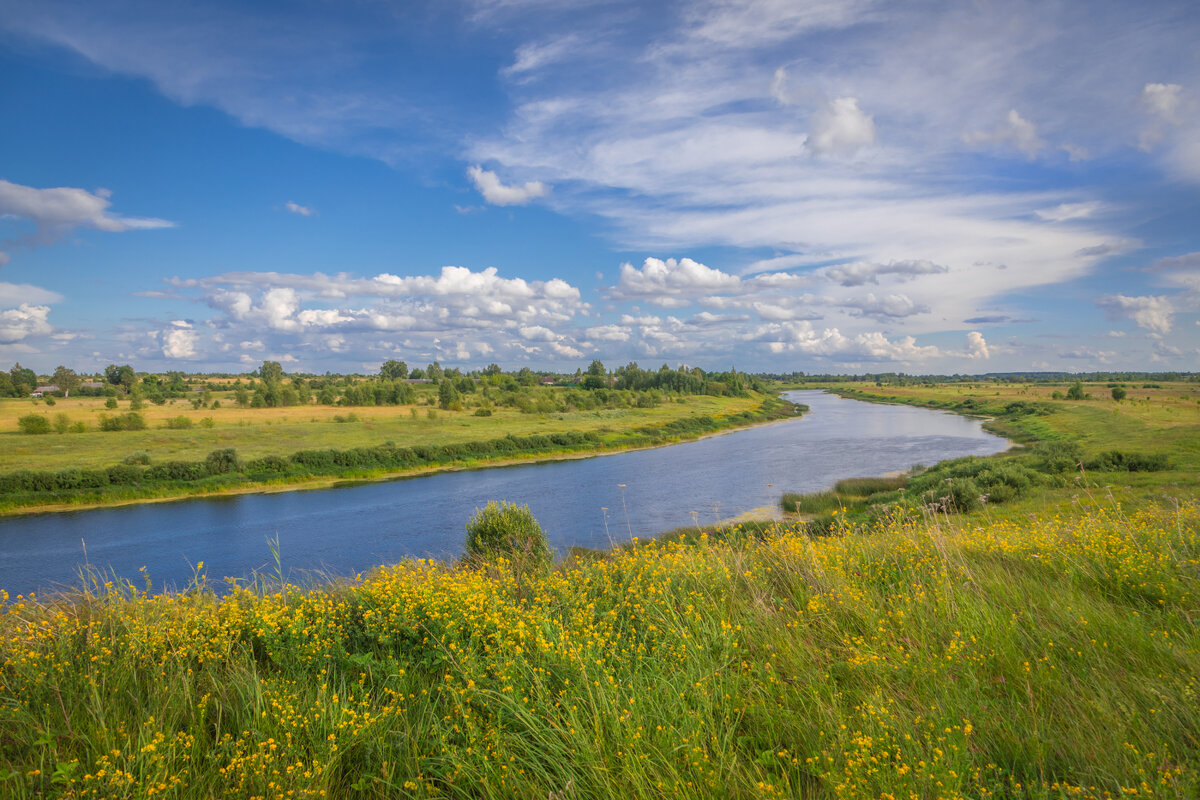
(483, 412)
(34, 424)
(509, 531)
(220, 462)
(129, 421)
(140, 457)
(179, 423)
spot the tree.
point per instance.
(1118, 393)
(434, 371)
(66, 379)
(491, 369)
(271, 373)
(1076, 391)
(393, 370)
(120, 376)
(448, 396)
(24, 379)
(596, 377)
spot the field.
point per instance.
(1043, 647)
(257, 432)
(183, 450)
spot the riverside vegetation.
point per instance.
(223, 435)
(1043, 647)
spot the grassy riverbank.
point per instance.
(1044, 647)
(931, 657)
(293, 448)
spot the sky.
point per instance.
(830, 186)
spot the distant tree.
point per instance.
(241, 396)
(525, 377)
(491, 369)
(271, 373)
(596, 377)
(448, 396)
(66, 379)
(123, 375)
(24, 379)
(6, 385)
(417, 374)
(434, 371)
(1118, 393)
(1076, 391)
(393, 370)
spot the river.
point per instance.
(349, 529)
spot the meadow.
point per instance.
(178, 449)
(1044, 647)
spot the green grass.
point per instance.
(1046, 658)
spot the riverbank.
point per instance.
(317, 469)
(907, 660)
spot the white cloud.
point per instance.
(496, 193)
(54, 213)
(841, 128)
(669, 283)
(1152, 313)
(296, 208)
(857, 273)
(872, 345)
(178, 341)
(977, 346)
(890, 306)
(1163, 100)
(18, 324)
(1016, 131)
(1064, 212)
(14, 294)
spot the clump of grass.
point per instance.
(865, 487)
(815, 503)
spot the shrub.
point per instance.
(509, 531)
(110, 402)
(179, 423)
(1118, 393)
(140, 457)
(865, 487)
(483, 412)
(220, 462)
(129, 421)
(34, 424)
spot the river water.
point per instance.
(349, 529)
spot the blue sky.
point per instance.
(827, 186)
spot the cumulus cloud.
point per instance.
(1152, 312)
(841, 128)
(669, 283)
(296, 208)
(23, 322)
(857, 273)
(802, 337)
(496, 193)
(55, 212)
(977, 346)
(178, 340)
(1016, 131)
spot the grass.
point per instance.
(282, 432)
(928, 657)
(1042, 648)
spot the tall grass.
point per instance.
(929, 657)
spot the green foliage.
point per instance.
(1118, 393)
(1120, 461)
(448, 396)
(110, 403)
(865, 487)
(129, 421)
(180, 423)
(221, 462)
(1076, 391)
(393, 370)
(33, 424)
(509, 531)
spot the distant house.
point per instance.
(40, 391)
(549, 381)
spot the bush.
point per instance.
(129, 421)
(179, 423)
(220, 462)
(483, 412)
(509, 531)
(140, 457)
(1118, 393)
(34, 424)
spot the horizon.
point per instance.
(835, 187)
